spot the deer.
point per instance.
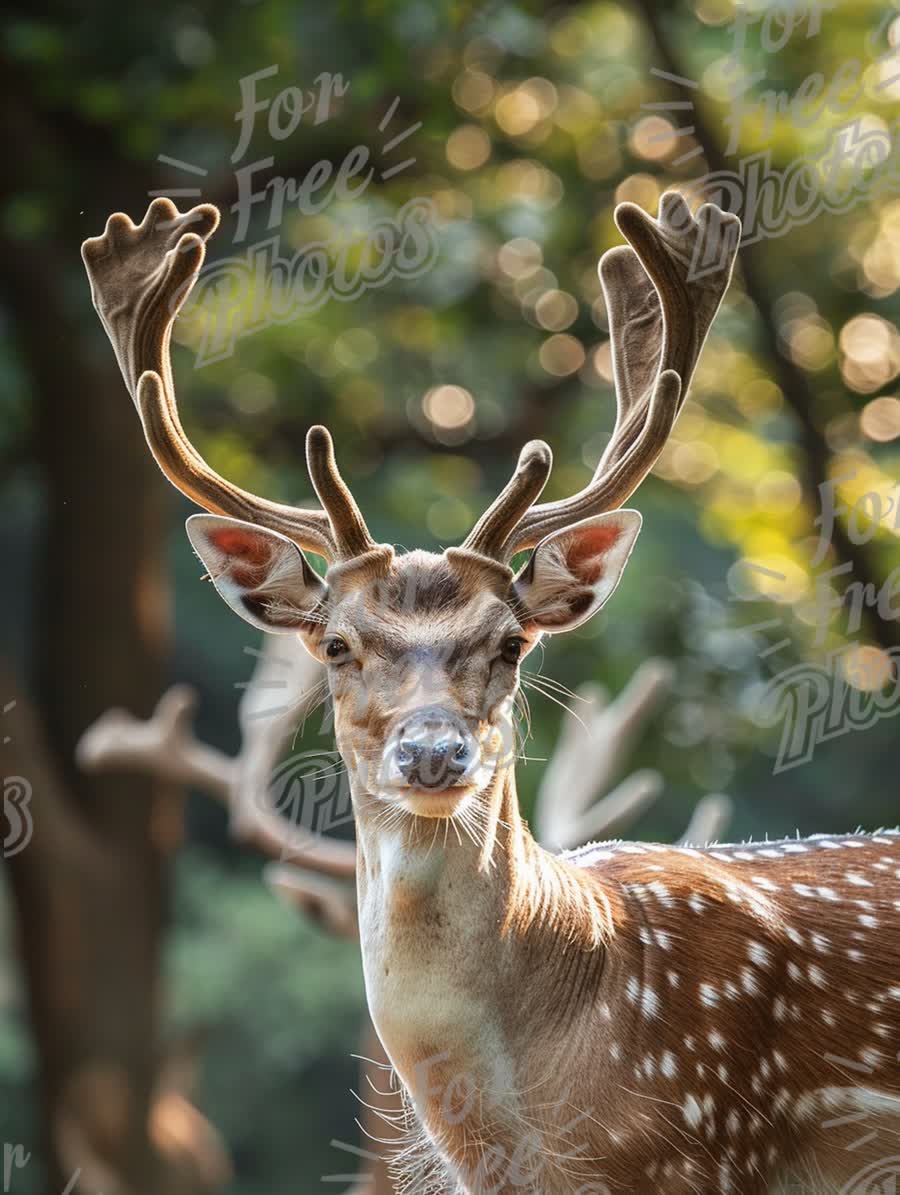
(621, 1017)
(577, 799)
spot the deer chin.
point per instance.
(455, 798)
(437, 803)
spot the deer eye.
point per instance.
(336, 647)
(512, 649)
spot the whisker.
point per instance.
(311, 710)
(559, 686)
(525, 710)
(562, 705)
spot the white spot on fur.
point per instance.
(693, 1114)
(649, 1003)
(758, 954)
(708, 995)
(763, 882)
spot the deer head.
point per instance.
(423, 650)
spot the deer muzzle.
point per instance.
(430, 749)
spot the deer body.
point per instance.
(622, 1019)
(737, 1030)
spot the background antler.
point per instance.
(593, 743)
(165, 745)
(575, 801)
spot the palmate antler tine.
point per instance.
(662, 292)
(140, 278)
(672, 308)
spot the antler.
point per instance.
(590, 752)
(286, 684)
(140, 278)
(571, 807)
(661, 304)
(165, 745)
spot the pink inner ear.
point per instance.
(585, 554)
(235, 541)
(245, 547)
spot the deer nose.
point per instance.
(432, 752)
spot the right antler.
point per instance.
(140, 278)
(660, 307)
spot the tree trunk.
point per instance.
(89, 889)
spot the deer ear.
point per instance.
(573, 572)
(261, 574)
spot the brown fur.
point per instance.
(722, 1037)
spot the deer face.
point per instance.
(422, 660)
(422, 651)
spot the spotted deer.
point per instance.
(576, 801)
(618, 1018)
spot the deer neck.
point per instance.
(463, 937)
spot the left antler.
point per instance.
(661, 305)
(140, 277)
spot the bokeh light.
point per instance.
(448, 407)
